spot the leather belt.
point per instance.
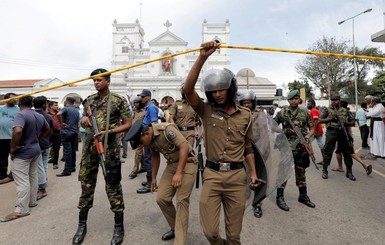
(224, 166)
(186, 128)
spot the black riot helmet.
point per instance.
(220, 79)
(139, 100)
(243, 95)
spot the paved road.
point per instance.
(347, 212)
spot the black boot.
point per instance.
(168, 235)
(82, 228)
(117, 237)
(304, 198)
(325, 173)
(281, 201)
(258, 210)
(349, 174)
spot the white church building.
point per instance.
(164, 77)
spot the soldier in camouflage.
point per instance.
(300, 118)
(334, 134)
(101, 105)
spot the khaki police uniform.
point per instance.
(166, 139)
(224, 140)
(185, 118)
(138, 161)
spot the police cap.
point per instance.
(133, 135)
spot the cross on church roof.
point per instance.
(167, 24)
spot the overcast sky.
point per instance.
(42, 39)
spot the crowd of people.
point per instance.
(225, 122)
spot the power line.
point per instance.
(34, 63)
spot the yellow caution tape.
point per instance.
(197, 49)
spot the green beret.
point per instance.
(99, 71)
(292, 94)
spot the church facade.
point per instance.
(163, 77)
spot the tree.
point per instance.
(378, 83)
(326, 73)
(302, 84)
(337, 74)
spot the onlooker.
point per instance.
(361, 118)
(69, 120)
(25, 151)
(55, 138)
(7, 114)
(377, 127)
(160, 112)
(276, 109)
(315, 115)
(150, 116)
(40, 104)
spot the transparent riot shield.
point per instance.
(273, 158)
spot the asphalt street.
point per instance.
(346, 212)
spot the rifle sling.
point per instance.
(107, 123)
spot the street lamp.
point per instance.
(354, 53)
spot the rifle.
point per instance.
(98, 141)
(343, 128)
(200, 161)
(301, 139)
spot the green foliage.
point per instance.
(378, 87)
(302, 84)
(337, 74)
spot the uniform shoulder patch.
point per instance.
(171, 134)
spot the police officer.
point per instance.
(103, 105)
(138, 161)
(334, 134)
(178, 177)
(247, 99)
(291, 117)
(185, 118)
(228, 143)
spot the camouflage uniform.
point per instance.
(301, 119)
(185, 118)
(335, 134)
(90, 161)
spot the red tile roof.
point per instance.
(18, 83)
